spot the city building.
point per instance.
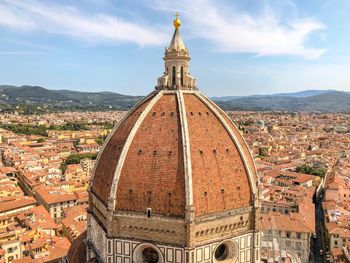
(75, 221)
(337, 211)
(55, 200)
(16, 205)
(286, 233)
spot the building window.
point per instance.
(182, 76)
(288, 234)
(221, 252)
(150, 255)
(109, 246)
(226, 252)
(174, 76)
(298, 245)
(299, 235)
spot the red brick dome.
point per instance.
(175, 151)
(175, 180)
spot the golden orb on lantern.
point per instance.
(177, 21)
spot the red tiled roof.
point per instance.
(20, 202)
(53, 196)
(292, 223)
(152, 159)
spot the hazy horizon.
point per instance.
(215, 95)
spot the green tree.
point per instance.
(100, 140)
(306, 169)
(41, 140)
(26, 129)
(75, 158)
(69, 126)
(75, 143)
(63, 167)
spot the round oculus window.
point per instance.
(150, 255)
(221, 252)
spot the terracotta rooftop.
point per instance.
(154, 161)
(20, 202)
(75, 219)
(292, 223)
(55, 195)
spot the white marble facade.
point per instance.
(241, 249)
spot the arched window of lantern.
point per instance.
(182, 76)
(174, 76)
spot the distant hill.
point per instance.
(304, 93)
(35, 99)
(332, 101)
(299, 94)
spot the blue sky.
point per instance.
(238, 47)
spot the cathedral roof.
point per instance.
(176, 158)
(77, 251)
(176, 150)
(176, 42)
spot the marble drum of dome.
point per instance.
(175, 180)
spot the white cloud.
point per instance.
(67, 20)
(12, 19)
(232, 30)
(265, 33)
